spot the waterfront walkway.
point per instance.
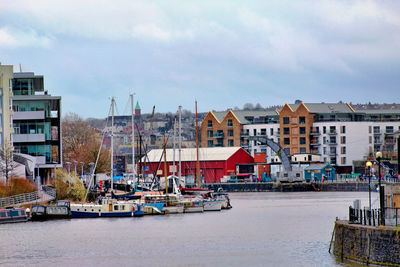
(44, 194)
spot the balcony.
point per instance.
(377, 132)
(218, 145)
(27, 138)
(244, 134)
(29, 115)
(219, 135)
(332, 132)
(332, 143)
(315, 143)
(315, 132)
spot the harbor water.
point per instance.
(262, 229)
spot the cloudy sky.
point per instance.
(222, 53)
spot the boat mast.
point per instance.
(197, 149)
(180, 143)
(133, 137)
(165, 167)
(112, 142)
(173, 164)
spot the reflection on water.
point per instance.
(262, 229)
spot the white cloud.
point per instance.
(14, 38)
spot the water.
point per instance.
(262, 229)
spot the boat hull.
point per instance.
(85, 214)
(212, 205)
(173, 210)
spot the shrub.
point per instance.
(69, 187)
(17, 186)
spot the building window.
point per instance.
(254, 132)
(302, 120)
(343, 150)
(210, 133)
(332, 140)
(332, 151)
(263, 131)
(286, 120)
(324, 129)
(343, 129)
(389, 129)
(209, 124)
(303, 150)
(272, 131)
(230, 123)
(210, 143)
(343, 139)
(286, 141)
(286, 130)
(324, 150)
(377, 129)
(302, 130)
(302, 140)
(230, 132)
(230, 142)
(332, 129)
(343, 160)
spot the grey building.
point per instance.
(37, 124)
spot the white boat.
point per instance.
(212, 205)
(107, 208)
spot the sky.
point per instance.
(221, 53)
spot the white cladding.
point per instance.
(355, 140)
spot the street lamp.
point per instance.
(369, 164)
(82, 163)
(75, 163)
(378, 157)
(69, 167)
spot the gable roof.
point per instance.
(242, 115)
(325, 107)
(189, 154)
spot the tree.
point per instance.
(248, 106)
(7, 164)
(81, 143)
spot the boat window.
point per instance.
(122, 207)
(92, 209)
(85, 209)
(115, 207)
(2, 214)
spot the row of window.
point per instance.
(377, 129)
(210, 143)
(219, 133)
(300, 120)
(210, 123)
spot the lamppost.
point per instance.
(378, 157)
(75, 163)
(82, 163)
(369, 164)
(69, 167)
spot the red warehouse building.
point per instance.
(215, 162)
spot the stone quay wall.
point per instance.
(367, 244)
(288, 187)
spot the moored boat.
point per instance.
(11, 215)
(42, 213)
(108, 207)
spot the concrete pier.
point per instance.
(367, 244)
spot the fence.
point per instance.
(365, 216)
(46, 193)
(373, 217)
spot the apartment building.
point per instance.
(225, 129)
(37, 123)
(334, 132)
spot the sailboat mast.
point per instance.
(173, 164)
(133, 136)
(197, 149)
(180, 143)
(165, 167)
(112, 143)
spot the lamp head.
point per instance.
(378, 155)
(368, 164)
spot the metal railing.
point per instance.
(365, 216)
(45, 194)
(373, 217)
